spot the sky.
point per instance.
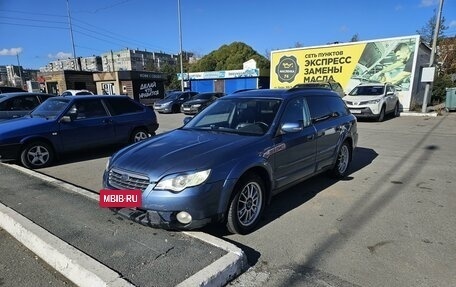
(34, 33)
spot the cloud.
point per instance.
(10, 52)
(398, 8)
(453, 24)
(427, 3)
(60, 55)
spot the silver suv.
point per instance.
(329, 85)
(373, 101)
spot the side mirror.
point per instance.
(187, 119)
(291, 128)
(66, 119)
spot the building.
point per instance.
(357, 62)
(88, 64)
(58, 81)
(136, 60)
(250, 77)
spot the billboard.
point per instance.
(386, 60)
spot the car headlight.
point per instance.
(166, 104)
(179, 182)
(196, 106)
(373, 102)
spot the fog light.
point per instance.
(184, 217)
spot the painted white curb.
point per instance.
(218, 273)
(69, 261)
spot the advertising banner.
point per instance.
(386, 60)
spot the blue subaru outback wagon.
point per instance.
(226, 163)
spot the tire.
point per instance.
(139, 134)
(247, 205)
(381, 116)
(175, 109)
(37, 154)
(340, 169)
(396, 111)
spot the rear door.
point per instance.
(326, 118)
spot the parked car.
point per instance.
(199, 102)
(373, 101)
(172, 103)
(6, 89)
(66, 124)
(329, 85)
(227, 162)
(76, 93)
(19, 104)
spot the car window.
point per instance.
(51, 108)
(88, 109)
(325, 107)
(237, 115)
(67, 94)
(120, 106)
(20, 104)
(296, 111)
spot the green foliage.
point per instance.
(441, 82)
(427, 31)
(171, 77)
(229, 57)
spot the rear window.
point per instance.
(122, 106)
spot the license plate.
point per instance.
(355, 111)
(186, 109)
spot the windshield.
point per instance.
(203, 96)
(237, 115)
(367, 91)
(173, 95)
(51, 108)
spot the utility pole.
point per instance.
(180, 44)
(431, 61)
(72, 39)
(20, 70)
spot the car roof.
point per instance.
(16, 94)
(282, 93)
(372, 84)
(95, 97)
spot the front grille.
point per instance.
(127, 180)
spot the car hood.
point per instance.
(31, 125)
(183, 150)
(357, 99)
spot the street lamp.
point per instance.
(180, 44)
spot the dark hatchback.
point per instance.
(199, 102)
(173, 102)
(225, 164)
(65, 124)
(19, 104)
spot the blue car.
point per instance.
(226, 163)
(67, 124)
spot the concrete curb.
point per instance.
(76, 265)
(69, 261)
(416, 114)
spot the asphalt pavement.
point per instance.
(92, 246)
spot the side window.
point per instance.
(296, 111)
(325, 107)
(122, 106)
(23, 103)
(88, 109)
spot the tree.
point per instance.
(229, 57)
(354, 38)
(427, 31)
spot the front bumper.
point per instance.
(365, 112)
(163, 109)
(164, 220)
(206, 203)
